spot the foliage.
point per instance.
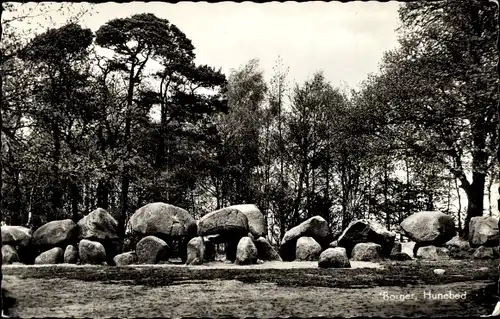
(82, 130)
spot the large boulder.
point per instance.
(256, 221)
(457, 242)
(367, 231)
(50, 257)
(101, 227)
(307, 249)
(483, 231)
(195, 251)
(226, 222)
(459, 248)
(315, 227)
(484, 252)
(265, 250)
(246, 252)
(70, 255)
(152, 250)
(163, 221)
(334, 258)
(429, 228)
(367, 252)
(16, 235)
(21, 239)
(408, 248)
(432, 253)
(128, 258)
(57, 233)
(98, 225)
(91, 252)
(9, 255)
(227, 226)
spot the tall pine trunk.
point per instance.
(103, 194)
(75, 199)
(299, 193)
(490, 184)
(386, 196)
(345, 196)
(475, 190)
(55, 194)
(475, 196)
(103, 184)
(125, 178)
(457, 187)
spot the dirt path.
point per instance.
(215, 298)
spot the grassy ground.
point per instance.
(265, 291)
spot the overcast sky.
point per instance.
(345, 40)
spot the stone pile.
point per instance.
(242, 230)
(430, 230)
(159, 231)
(93, 240)
(316, 234)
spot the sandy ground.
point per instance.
(215, 298)
(272, 289)
(271, 265)
(221, 265)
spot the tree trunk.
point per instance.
(369, 210)
(345, 196)
(299, 193)
(102, 185)
(75, 193)
(55, 194)
(16, 218)
(490, 184)
(125, 179)
(103, 194)
(430, 201)
(459, 206)
(475, 196)
(327, 191)
(87, 197)
(308, 195)
(386, 197)
(407, 210)
(124, 205)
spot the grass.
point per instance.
(180, 291)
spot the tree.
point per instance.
(278, 92)
(238, 157)
(434, 95)
(317, 127)
(57, 54)
(134, 40)
(11, 42)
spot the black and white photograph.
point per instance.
(244, 159)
